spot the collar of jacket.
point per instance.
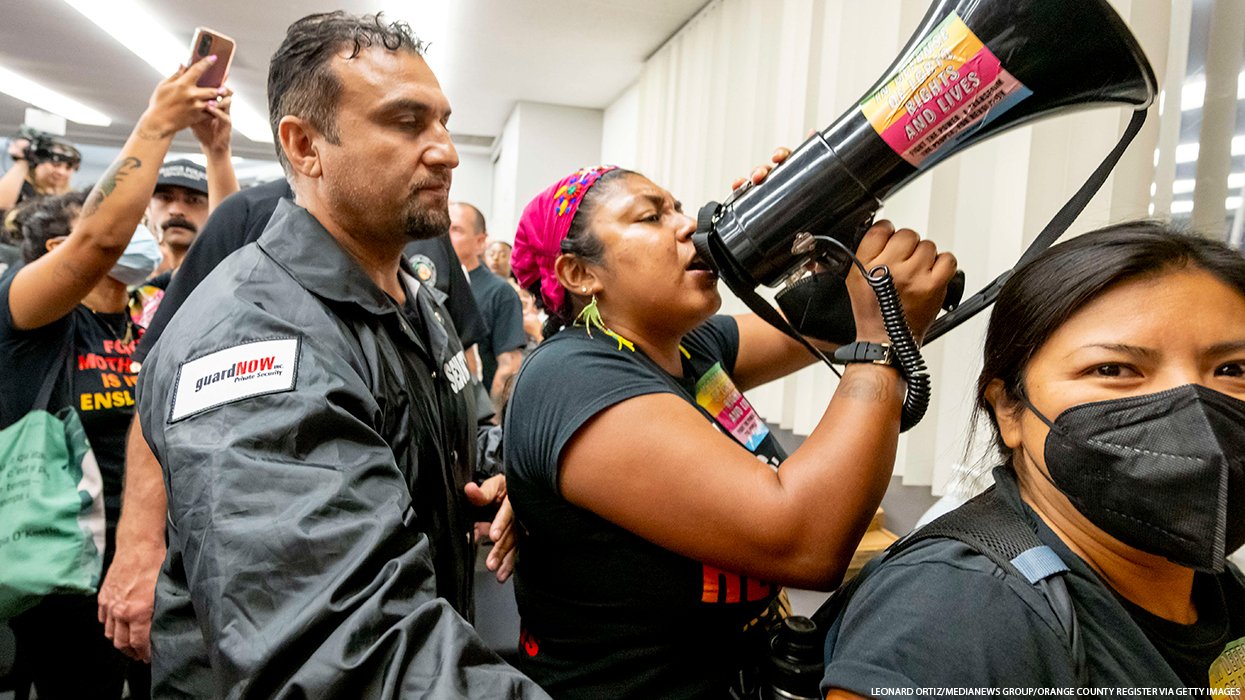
(296, 241)
(305, 249)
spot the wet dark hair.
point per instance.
(44, 219)
(1041, 296)
(581, 243)
(301, 81)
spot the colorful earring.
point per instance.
(591, 316)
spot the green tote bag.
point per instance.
(51, 506)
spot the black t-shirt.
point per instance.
(941, 615)
(98, 380)
(160, 281)
(10, 257)
(606, 613)
(503, 319)
(434, 262)
(1191, 649)
(27, 193)
(238, 221)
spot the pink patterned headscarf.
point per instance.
(544, 224)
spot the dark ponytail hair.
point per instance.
(1041, 296)
(581, 243)
(46, 218)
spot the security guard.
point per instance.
(307, 406)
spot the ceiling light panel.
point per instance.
(138, 30)
(33, 93)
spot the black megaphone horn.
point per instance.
(972, 69)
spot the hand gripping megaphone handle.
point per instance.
(910, 363)
(955, 291)
(955, 287)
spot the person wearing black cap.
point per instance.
(178, 211)
(187, 192)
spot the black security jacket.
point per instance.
(318, 538)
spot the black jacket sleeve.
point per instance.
(289, 536)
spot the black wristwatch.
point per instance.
(861, 351)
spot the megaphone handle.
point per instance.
(961, 313)
(910, 363)
(955, 291)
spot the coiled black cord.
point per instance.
(903, 345)
(911, 364)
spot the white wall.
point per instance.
(473, 183)
(620, 130)
(540, 144)
(506, 179)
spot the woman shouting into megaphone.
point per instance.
(657, 513)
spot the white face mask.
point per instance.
(141, 256)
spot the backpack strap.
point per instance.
(59, 369)
(990, 527)
(987, 525)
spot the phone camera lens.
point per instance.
(205, 45)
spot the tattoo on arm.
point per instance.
(866, 387)
(115, 175)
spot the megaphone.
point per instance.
(973, 69)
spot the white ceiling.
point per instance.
(491, 53)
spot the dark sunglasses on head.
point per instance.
(64, 158)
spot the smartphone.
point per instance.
(210, 43)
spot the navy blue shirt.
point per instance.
(503, 319)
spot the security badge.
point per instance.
(425, 270)
(1228, 671)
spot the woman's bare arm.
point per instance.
(653, 465)
(50, 287)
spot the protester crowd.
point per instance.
(305, 403)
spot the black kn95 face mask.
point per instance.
(1164, 472)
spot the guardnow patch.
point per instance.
(251, 369)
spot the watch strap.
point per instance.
(862, 351)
